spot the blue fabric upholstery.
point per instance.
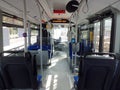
(34, 47)
(39, 79)
(70, 50)
(75, 80)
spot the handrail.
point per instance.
(16, 47)
(11, 50)
(43, 8)
(100, 53)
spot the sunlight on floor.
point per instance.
(51, 83)
(52, 65)
(57, 76)
(57, 58)
(48, 84)
(53, 62)
(55, 82)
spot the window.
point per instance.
(107, 34)
(96, 36)
(34, 34)
(11, 20)
(12, 38)
(13, 32)
(84, 34)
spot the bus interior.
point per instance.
(59, 44)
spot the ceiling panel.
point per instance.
(60, 5)
(16, 7)
(117, 5)
(10, 8)
(94, 7)
(18, 4)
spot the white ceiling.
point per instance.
(16, 7)
(59, 5)
(96, 6)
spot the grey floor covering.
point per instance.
(57, 76)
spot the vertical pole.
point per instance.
(72, 61)
(50, 39)
(76, 37)
(41, 62)
(69, 51)
(75, 64)
(101, 36)
(41, 43)
(1, 33)
(69, 32)
(112, 45)
(29, 34)
(117, 33)
(77, 17)
(25, 27)
(76, 26)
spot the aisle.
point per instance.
(58, 75)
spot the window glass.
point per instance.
(107, 34)
(13, 38)
(12, 21)
(34, 35)
(96, 36)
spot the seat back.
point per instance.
(116, 79)
(96, 73)
(2, 84)
(19, 73)
(34, 65)
(118, 56)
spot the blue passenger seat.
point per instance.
(34, 66)
(39, 79)
(34, 47)
(75, 81)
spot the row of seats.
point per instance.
(99, 73)
(18, 72)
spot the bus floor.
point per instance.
(58, 75)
